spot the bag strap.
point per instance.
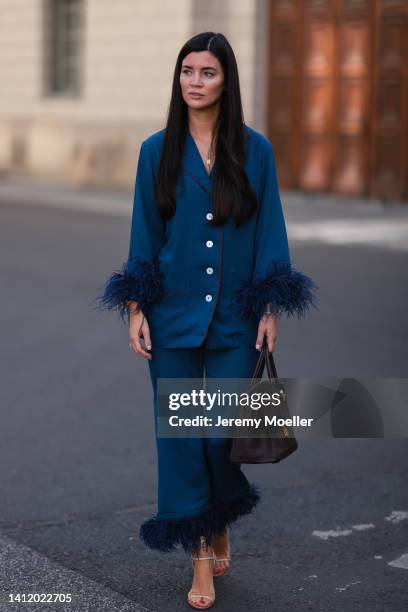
(265, 357)
(259, 368)
(270, 364)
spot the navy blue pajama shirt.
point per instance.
(194, 281)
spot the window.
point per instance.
(66, 41)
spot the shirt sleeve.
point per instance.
(274, 280)
(139, 279)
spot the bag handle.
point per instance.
(270, 364)
(265, 357)
(259, 367)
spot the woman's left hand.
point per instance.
(268, 325)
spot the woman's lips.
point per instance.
(195, 95)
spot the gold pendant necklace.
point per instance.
(208, 158)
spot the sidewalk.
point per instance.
(21, 565)
(311, 218)
(30, 191)
(34, 193)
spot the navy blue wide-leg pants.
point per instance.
(200, 490)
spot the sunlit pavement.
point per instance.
(77, 454)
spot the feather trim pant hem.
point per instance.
(165, 535)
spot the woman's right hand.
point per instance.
(138, 328)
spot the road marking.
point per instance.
(331, 533)
(347, 586)
(388, 233)
(397, 516)
(401, 562)
(325, 535)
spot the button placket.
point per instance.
(209, 270)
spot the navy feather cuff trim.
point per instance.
(164, 535)
(138, 281)
(284, 287)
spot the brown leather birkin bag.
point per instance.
(266, 449)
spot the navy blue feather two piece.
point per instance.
(197, 282)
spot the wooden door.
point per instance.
(337, 95)
(353, 96)
(389, 153)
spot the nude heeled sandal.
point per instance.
(211, 601)
(224, 571)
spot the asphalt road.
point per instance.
(77, 454)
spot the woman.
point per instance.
(207, 276)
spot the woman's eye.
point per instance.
(208, 74)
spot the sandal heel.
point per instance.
(190, 597)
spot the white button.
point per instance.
(209, 243)
(210, 270)
(209, 216)
(208, 297)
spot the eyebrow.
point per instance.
(205, 67)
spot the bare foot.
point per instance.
(222, 552)
(203, 583)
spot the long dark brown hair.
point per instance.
(232, 189)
